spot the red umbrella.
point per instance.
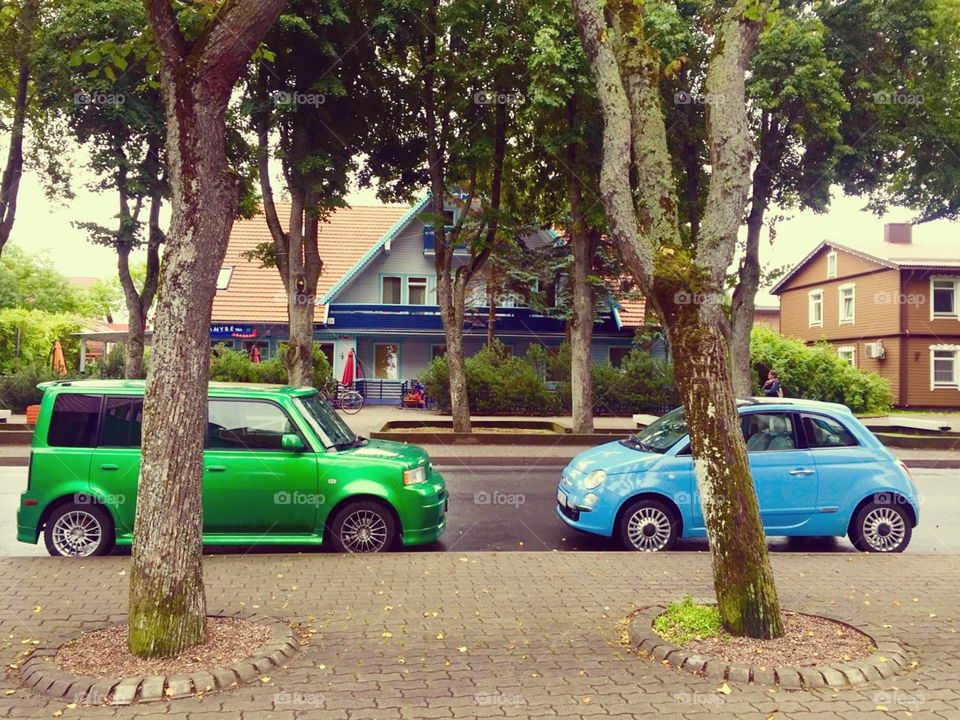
(255, 354)
(348, 370)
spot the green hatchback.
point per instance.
(279, 467)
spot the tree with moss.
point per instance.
(686, 280)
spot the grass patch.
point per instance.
(684, 620)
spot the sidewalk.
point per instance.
(485, 635)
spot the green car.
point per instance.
(279, 467)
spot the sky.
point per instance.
(45, 225)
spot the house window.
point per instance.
(437, 351)
(943, 366)
(617, 354)
(847, 304)
(386, 362)
(262, 348)
(815, 308)
(831, 264)
(390, 291)
(417, 291)
(327, 349)
(943, 291)
(848, 353)
(223, 277)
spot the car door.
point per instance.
(844, 466)
(251, 484)
(784, 472)
(115, 469)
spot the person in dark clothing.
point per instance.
(771, 388)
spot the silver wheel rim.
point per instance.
(884, 529)
(364, 531)
(77, 533)
(648, 529)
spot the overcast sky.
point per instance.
(42, 225)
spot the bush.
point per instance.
(38, 331)
(816, 373)
(236, 366)
(112, 365)
(19, 388)
(497, 383)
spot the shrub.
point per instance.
(816, 373)
(235, 366)
(38, 330)
(111, 365)
(684, 620)
(19, 388)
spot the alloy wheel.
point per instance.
(884, 529)
(77, 533)
(649, 529)
(364, 531)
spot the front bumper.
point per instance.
(426, 521)
(580, 517)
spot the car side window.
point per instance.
(824, 432)
(246, 425)
(122, 422)
(766, 432)
(74, 420)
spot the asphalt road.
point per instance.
(512, 508)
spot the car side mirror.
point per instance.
(292, 442)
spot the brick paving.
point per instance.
(471, 635)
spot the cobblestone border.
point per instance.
(891, 658)
(41, 675)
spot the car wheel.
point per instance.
(881, 527)
(79, 530)
(363, 527)
(649, 526)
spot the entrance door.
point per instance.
(386, 361)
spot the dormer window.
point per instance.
(831, 264)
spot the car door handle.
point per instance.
(801, 471)
(109, 467)
(216, 468)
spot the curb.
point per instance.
(890, 658)
(40, 674)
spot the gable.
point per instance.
(812, 270)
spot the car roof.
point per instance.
(136, 387)
(792, 404)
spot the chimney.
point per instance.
(898, 233)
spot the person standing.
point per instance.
(772, 387)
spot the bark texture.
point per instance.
(686, 282)
(13, 168)
(167, 600)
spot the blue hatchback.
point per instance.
(816, 469)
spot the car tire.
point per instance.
(79, 530)
(363, 526)
(881, 527)
(648, 525)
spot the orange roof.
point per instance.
(633, 312)
(256, 294)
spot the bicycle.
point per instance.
(346, 399)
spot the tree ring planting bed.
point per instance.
(882, 655)
(508, 431)
(97, 669)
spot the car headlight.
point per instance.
(590, 499)
(594, 479)
(417, 475)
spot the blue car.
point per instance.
(816, 469)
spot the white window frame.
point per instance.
(425, 285)
(224, 277)
(853, 303)
(934, 349)
(831, 264)
(956, 296)
(818, 294)
(848, 353)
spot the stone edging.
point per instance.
(40, 673)
(890, 658)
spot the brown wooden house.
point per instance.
(890, 307)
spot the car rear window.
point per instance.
(824, 432)
(122, 422)
(74, 420)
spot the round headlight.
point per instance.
(594, 479)
(590, 499)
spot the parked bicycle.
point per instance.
(346, 399)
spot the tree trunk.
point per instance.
(167, 599)
(137, 316)
(491, 305)
(743, 578)
(581, 317)
(13, 170)
(743, 307)
(451, 312)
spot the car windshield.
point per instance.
(331, 429)
(661, 435)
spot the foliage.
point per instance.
(497, 382)
(30, 281)
(236, 366)
(19, 388)
(112, 365)
(816, 373)
(684, 620)
(38, 331)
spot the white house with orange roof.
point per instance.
(377, 297)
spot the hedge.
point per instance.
(236, 366)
